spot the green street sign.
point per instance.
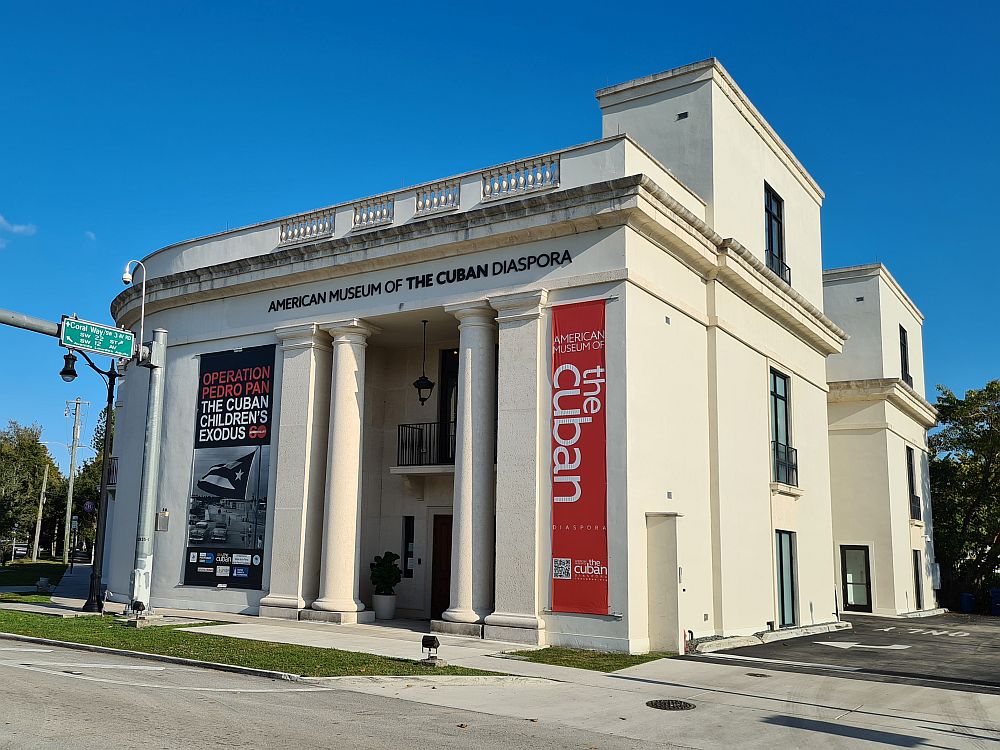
(94, 337)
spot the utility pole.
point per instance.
(41, 504)
(67, 532)
(142, 571)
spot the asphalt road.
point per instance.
(62, 698)
(961, 649)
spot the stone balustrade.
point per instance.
(439, 196)
(374, 212)
(307, 226)
(521, 177)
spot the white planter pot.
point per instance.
(384, 605)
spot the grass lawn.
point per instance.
(172, 640)
(32, 598)
(24, 572)
(599, 661)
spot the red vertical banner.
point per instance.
(579, 460)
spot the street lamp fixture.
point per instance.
(68, 372)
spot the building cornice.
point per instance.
(635, 201)
(893, 390)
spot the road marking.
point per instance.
(78, 665)
(739, 657)
(928, 631)
(27, 650)
(119, 683)
(851, 644)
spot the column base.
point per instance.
(528, 636)
(338, 605)
(341, 618)
(281, 613)
(470, 629)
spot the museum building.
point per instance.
(583, 396)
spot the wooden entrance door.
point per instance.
(440, 565)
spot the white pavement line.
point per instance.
(27, 650)
(848, 711)
(736, 657)
(119, 683)
(78, 665)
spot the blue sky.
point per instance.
(128, 126)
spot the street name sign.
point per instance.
(94, 337)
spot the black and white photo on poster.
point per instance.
(227, 499)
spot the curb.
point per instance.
(739, 641)
(286, 676)
(452, 680)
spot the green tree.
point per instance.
(22, 464)
(88, 480)
(965, 487)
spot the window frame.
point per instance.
(791, 536)
(916, 513)
(904, 356)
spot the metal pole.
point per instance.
(38, 522)
(95, 599)
(67, 532)
(29, 323)
(142, 572)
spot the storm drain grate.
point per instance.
(670, 705)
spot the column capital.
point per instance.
(472, 313)
(350, 330)
(302, 336)
(520, 305)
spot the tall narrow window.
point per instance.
(774, 229)
(785, 458)
(904, 357)
(918, 580)
(911, 478)
(408, 546)
(784, 542)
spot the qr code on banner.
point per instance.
(562, 568)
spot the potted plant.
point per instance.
(385, 575)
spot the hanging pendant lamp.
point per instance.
(423, 384)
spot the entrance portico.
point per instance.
(355, 475)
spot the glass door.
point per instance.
(787, 611)
(918, 586)
(855, 569)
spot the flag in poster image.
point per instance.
(228, 480)
(579, 459)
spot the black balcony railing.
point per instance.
(915, 507)
(908, 379)
(785, 464)
(112, 471)
(425, 444)
(779, 266)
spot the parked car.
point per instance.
(198, 532)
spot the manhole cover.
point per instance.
(757, 674)
(71, 671)
(671, 705)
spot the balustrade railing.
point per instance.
(785, 465)
(426, 444)
(307, 226)
(521, 177)
(441, 196)
(113, 471)
(374, 212)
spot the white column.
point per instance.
(473, 522)
(521, 463)
(300, 470)
(340, 569)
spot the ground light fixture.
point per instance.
(430, 645)
(423, 384)
(68, 372)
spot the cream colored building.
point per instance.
(699, 231)
(882, 524)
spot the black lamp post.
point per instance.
(95, 599)
(423, 384)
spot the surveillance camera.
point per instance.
(126, 278)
